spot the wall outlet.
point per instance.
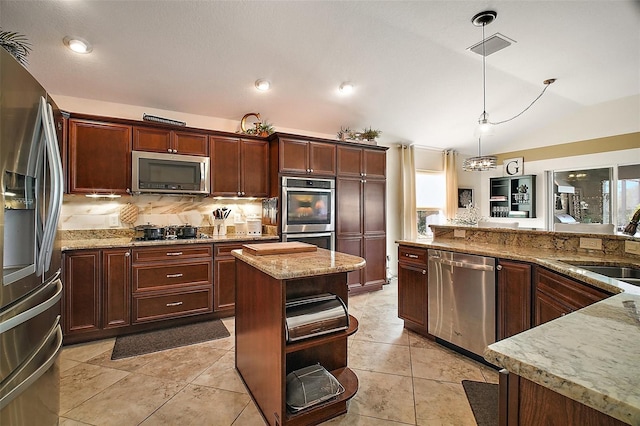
(459, 233)
(632, 247)
(591, 243)
(113, 220)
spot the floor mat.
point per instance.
(168, 338)
(483, 398)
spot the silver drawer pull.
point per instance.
(412, 256)
(174, 304)
(174, 275)
(177, 253)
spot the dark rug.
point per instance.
(168, 338)
(483, 398)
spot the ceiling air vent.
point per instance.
(492, 44)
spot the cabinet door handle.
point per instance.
(127, 254)
(174, 275)
(175, 151)
(499, 267)
(412, 256)
(424, 272)
(310, 170)
(177, 253)
(174, 304)
(169, 150)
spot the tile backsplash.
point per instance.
(79, 212)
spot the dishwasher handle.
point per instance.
(466, 265)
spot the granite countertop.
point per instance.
(591, 356)
(114, 242)
(299, 265)
(564, 262)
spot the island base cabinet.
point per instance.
(525, 403)
(264, 358)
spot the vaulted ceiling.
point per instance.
(414, 78)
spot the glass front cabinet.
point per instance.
(513, 197)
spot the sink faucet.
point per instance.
(631, 228)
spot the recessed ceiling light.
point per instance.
(346, 88)
(263, 85)
(77, 44)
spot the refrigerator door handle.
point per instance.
(55, 200)
(13, 393)
(36, 310)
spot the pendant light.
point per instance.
(480, 163)
(483, 19)
(485, 127)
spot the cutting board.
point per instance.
(278, 248)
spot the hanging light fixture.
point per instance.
(480, 163)
(485, 127)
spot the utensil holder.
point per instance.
(219, 227)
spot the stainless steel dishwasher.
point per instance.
(462, 299)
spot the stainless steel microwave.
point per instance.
(169, 173)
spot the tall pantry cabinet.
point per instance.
(361, 213)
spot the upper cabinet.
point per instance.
(170, 141)
(99, 157)
(240, 167)
(513, 196)
(302, 157)
(361, 162)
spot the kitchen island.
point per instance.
(264, 284)
(579, 368)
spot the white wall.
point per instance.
(538, 168)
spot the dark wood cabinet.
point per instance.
(361, 214)
(264, 357)
(96, 290)
(413, 287)
(171, 281)
(303, 157)
(170, 141)
(361, 162)
(224, 277)
(514, 298)
(240, 167)
(523, 403)
(513, 196)
(99, 157)
(557, 295)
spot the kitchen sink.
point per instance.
(621, 273)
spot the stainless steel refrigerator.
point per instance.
(32, 186)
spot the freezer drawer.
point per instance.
(26, 324)
(31, 395)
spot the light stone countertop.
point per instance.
(591, 356)
(563, 262)
(300, 265)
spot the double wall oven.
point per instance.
(308, 211)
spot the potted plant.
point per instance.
(16, 44)
(370, 134)
(261, 129)
(344, 134)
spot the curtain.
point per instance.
(451, 181)
(409, 216)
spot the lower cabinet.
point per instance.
(557, 295)
(171, 281)
(514, 298)
(413, 287)
(523, 402)
(97, 290)
(224, 277)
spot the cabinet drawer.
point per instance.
(225, 249)
(571, 293)
(165, 276)
(413, 255)
(170, 305)
(172, 252)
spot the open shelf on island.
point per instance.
(325, 338)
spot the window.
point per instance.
(628, 193)
(430, 200)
